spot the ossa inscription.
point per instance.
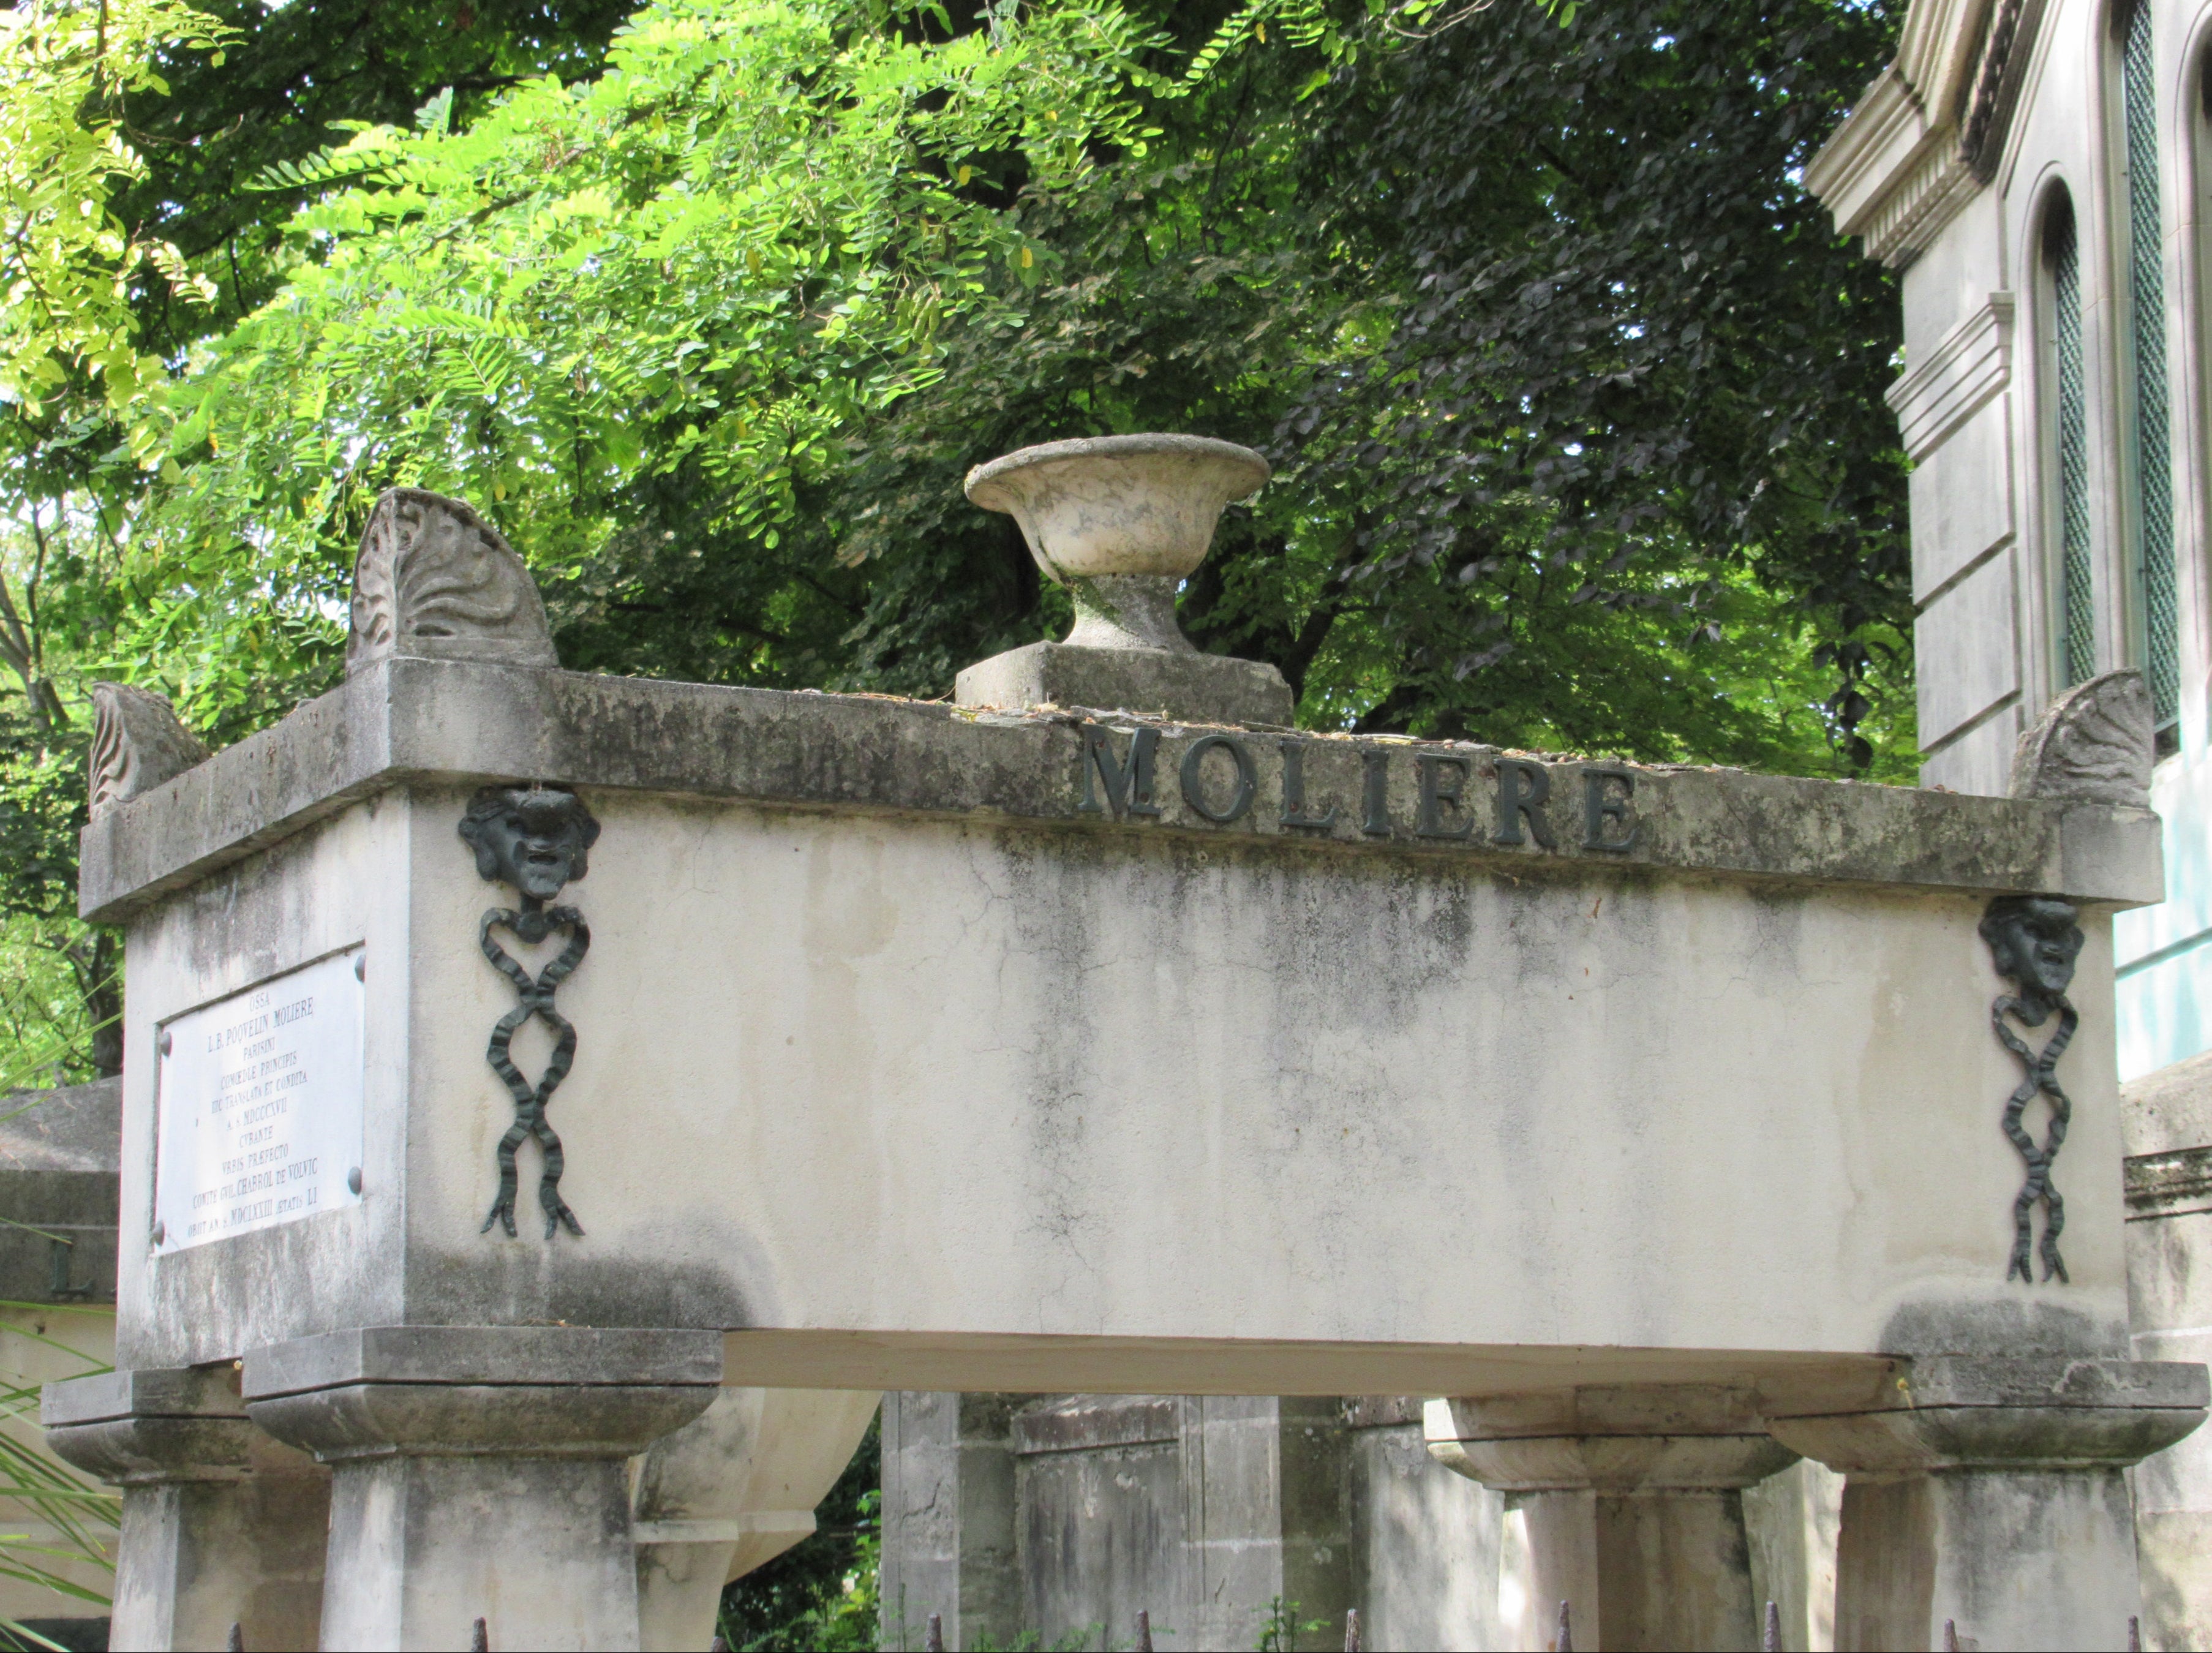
(1454, 797)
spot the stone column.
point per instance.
(481, 1472)
(1991, 1497)
(949, 1518)
(2167, 1118)
(221, 1525)
(1633, 1498)
(732, 1489)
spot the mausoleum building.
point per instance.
(2036, 171)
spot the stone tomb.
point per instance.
(849, 1043)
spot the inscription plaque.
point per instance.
(260, 1104)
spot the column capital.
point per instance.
(2044, 1412)
(1607, 1438)
(163, 1425)
(482, 1391)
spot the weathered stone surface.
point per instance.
(949, 1518)
(2169, 1235)
(433, 579)
(60, 1152)
(523, 1420)
(481, 1472)
(421, 1547)
(1636, 1518)
(1425, 1542)
(137, 743)
(209, 1391)
(1984, 1474)
(221, 1524)
(2097, 743)
(1565, 1025)
(404, 721)
(2170, 1109)
(1119, 505)
(1200, 1511)
(484, 1355)
(1205, 688)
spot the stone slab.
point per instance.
(1162, 683)
(2049, 1382)
(73, 1128)
(162, 1392)
(952, 1084)
(484, 1355)
(405, 721)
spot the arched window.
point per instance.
(2069, 425)
(2151, 432)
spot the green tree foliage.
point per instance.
(1620, 357)
(820, 1596)
(686, 283)
(289, 80)
(1570, 392)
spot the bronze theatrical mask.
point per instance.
(536, 839)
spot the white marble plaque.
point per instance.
(260, 1106)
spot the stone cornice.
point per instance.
(1970, 365)
(1923, 139)
(2174, 1184)
(404, 723)
(1938, 48)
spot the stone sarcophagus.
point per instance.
(515, 1056)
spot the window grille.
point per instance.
(2077, 644)
(2153, 466)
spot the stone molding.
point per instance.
(482, 1391)
(162, 1426)
(1084, 1423)
(2047, 1411)
(1923, 138)
(364, 1421)
(406, 721)
(1959, 379)
(1938, 47)
(2174, 1184)
(1997, 80)
(485, 1356)
(1609, 1438)
(1617, 1463)
(155, 1392)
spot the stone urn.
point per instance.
(1121, 521)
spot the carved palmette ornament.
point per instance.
(136, 743)
(2096, 745)
(434, 579)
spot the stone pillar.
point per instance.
(1633, 1500)
(732, 1489)
(221, 1525)
(1991, 1497)
(948, 1516)
(2167, 1118)
(1425, 1542)
(481, 1472)
(1266, 1517)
